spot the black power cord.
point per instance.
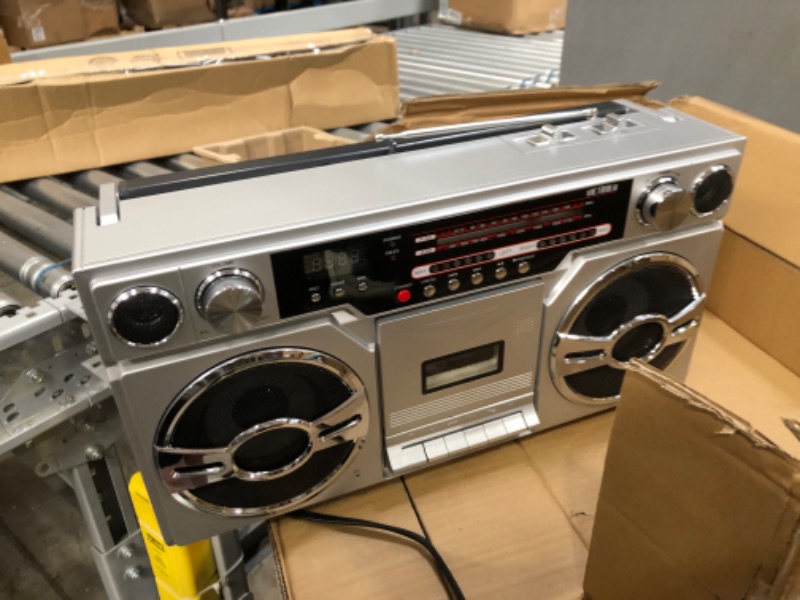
(454, 591)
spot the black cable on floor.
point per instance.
(454, 591)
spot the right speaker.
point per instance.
(604, 308)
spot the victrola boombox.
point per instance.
(283, 332)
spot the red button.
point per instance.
(403, 296)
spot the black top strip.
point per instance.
(173, 182)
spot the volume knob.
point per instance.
(665, 204)
(230, 300)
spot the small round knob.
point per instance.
(665, 204)
(230, 300)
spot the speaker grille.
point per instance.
(647, 308)
(263, 432)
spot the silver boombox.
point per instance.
(279, 333)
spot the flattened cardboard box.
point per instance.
(517, 17)
(739, 482)
(70, 114)
(701, 499)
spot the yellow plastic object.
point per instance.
(181, 572)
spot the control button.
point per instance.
(403, 296)
(414, 455)
(429, 291)
(316, 297)
(455, 442)
(435, 448)
(453, 284)
(524, 267)
(495, 429)
(476, 436)
(514, 423)
(362, 286)
(338, 292)
(476, 278)
(501, 273)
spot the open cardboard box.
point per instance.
(68, 114)
(267, 145)
(700, 498)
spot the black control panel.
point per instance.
(386, 270)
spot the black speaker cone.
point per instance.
(269, 404)
(601, 330)
(714, 188)
(145, 316)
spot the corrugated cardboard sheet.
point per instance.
(756, 286)
(69, 114)
(695, 503)
(279, 143)
(700, 499)
(517, 17)
(466, 108)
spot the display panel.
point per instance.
(385, 270)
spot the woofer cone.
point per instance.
(646, 307)
(145, 316)
(262, 433)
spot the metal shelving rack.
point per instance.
(56, 412)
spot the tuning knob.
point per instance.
(665, 204)
(230, 300)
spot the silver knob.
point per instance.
(665, 204)
(230, 300)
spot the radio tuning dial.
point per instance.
(665, 204)
(230, 300)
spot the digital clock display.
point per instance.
(335, 262)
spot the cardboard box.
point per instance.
(517, 17)
(155, 14)
(279, 143)
(5, 54)
(78, 113)
(37, 23)
(700, 499)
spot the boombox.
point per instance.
(282, 332)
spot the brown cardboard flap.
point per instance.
(758, 293)
(498, 528)
(751, 383)
(278, 143)
(695, 504)
(764, 207)
(463, 108)
(570, 462)
(323, 561)
(130, 63)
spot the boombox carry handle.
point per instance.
(380, 146)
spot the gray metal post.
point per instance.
(118, 550)
(230, 566)
(91, 180)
